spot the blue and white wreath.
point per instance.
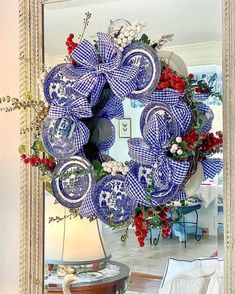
(84, 97)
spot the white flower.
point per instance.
(113, 173)
(108, 170)
(179, 151)
(174, 146)
(178, 139)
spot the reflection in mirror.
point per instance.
(186, 41)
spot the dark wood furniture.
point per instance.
(107, 286)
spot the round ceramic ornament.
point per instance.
(111, 202)
(163, 110)
(116, 26)
(58, 87)
(72, 188)
(58, 137)
(194, 183)
(174, 61)
(144, 57)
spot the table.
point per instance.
(112, 285)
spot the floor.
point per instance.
(153, 259)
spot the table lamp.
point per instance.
(72, 241)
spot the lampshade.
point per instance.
(72, 240)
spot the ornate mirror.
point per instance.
(123, 130)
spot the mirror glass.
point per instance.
(196, 25)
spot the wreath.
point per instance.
(175, 147)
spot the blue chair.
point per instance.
(184, 227)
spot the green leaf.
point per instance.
(45, 178)
(145, 39)
(22, 149)
(183, 145)
(97, 165)
(40, 146)
(48, 188)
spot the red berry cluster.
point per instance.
(165, 222)
(171, 80)
(71, 45)
(37, 161)
(201, 91)
(191, 138)
(141, 228)
(211, 141)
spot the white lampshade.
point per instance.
(71, 241)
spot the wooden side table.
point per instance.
(112, 285)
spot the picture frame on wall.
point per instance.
(124, 126)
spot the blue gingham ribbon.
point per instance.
(77, 109)
(168, 174)
(212, 167)
(181, 112)
(201, 97)
(93, 74)
(167, 95)
(209, 115)
(112, 109)
(87, 208)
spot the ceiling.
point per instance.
(192, 21)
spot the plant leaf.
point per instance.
(22, 149)
(48, 188)
(45, 178)
(40, 146)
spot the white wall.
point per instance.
(9, 141)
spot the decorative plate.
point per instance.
(174, 61)
(72, 189)
(58, 137)
(143, 56)
(58, 87)
(163, 110)
(111, 202)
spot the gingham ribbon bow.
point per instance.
(75, 110)
(93, 74)
(168, 174)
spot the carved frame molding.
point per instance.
(31, 208)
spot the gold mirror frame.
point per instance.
(31, 58)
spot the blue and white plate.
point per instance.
(70, 190)
(111, 202)
(162, 110)
(58, 137)
(145, 58)
(58, 87)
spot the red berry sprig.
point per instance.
(170, 80)
(211, 141)
(71, 45)
(141, 228)
(165, 222)
(37, 161)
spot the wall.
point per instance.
(9, 141)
